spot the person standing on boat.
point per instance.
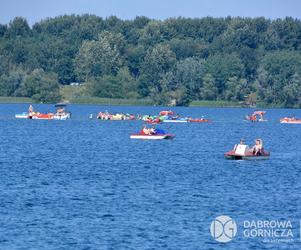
(30, 109)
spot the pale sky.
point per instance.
(35, 10)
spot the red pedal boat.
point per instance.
(39, 116)
(242, 152)
(166, 112)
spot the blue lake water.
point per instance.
(84, 184)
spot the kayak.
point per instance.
(152, 137)
(231, 155)
(290, 120)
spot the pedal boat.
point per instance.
(290, 120)
(39, 116)
(62, 117)
(24, 115)
(231, 155)
(152, 137)
(166, 112)
(241, 152)
(199, 120)
(175, 120)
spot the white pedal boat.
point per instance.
(152, 137)
(176, 121)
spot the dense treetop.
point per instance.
(177, 59)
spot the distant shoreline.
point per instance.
(117, 102)
(131, 102)
(11, 99)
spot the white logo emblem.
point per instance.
(223, 229)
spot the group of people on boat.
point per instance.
(150, 131)
(108, 116)
(60, 114)
(257, 116)
(251, 118)
(257, 149)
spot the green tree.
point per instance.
(98, 57)
(292, 92)
(274, 74)
(10, 83)
(157, 62)
(209, 91)
(166, 60)
(106, 86)
(236, 89)
(222, 67)
(189, 74)
(42, 87)
(128, 84)
(152, 34)
(18, 27)
(3, 29)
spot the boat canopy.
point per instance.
(60, 105)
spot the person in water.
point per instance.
(257, 149)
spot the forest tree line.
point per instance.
(174, 60)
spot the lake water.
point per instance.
(84, 184)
